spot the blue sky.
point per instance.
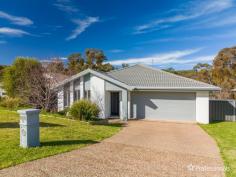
(170, 33)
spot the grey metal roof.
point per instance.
(145, 77)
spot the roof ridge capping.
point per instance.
(182, 77)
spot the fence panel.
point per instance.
(222, 110)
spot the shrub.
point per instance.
(84, 110)
(11, 103)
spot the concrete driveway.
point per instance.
(143, 148)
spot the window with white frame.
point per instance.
(87, 94)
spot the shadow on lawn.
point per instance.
(16, 125)
(67, 142)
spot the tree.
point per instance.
(224, 72)
(9, 83)
(2, 67)
(16, 78)
(76, 63)
(43, 93)
(56, 66)
(94, 59)
(203, 72)
(202, 66)
(27, 79)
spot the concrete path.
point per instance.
(143, 148)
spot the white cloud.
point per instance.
(223, 21)
(63, 1)
(116, 50)
(63, 58)
(191, 11)
(3, 42)
(82, 25)
(13, 32)
(227, 34)
(199, 59)
(165, 58)
(16, 20)
(66, 8)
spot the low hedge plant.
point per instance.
(84, 110)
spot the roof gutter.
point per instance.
(179, 88)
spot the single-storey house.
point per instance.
(139, 92)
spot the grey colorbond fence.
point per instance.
(222, 110)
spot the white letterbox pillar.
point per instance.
(29, 127)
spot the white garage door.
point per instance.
(163, 106)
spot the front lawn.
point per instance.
(225, 135)
(57, 135)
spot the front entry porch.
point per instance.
(115, 104)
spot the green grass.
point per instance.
(225, 135)
(57, 135)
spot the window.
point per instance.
(87, 94)
(76, 95)
(66, 98)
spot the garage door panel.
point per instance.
(163, 105)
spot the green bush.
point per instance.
(84, 110)
(11, 103)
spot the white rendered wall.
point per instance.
(60, 99)
(202, 107)
(97, 87)
(81, 87)
(71, 93)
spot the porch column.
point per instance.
(71, 93)
(60, 99)
(129, 105)
(82, 87)
(124, 98)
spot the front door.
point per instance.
(115, 105)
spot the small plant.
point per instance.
(11, 103)
(84, 110)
